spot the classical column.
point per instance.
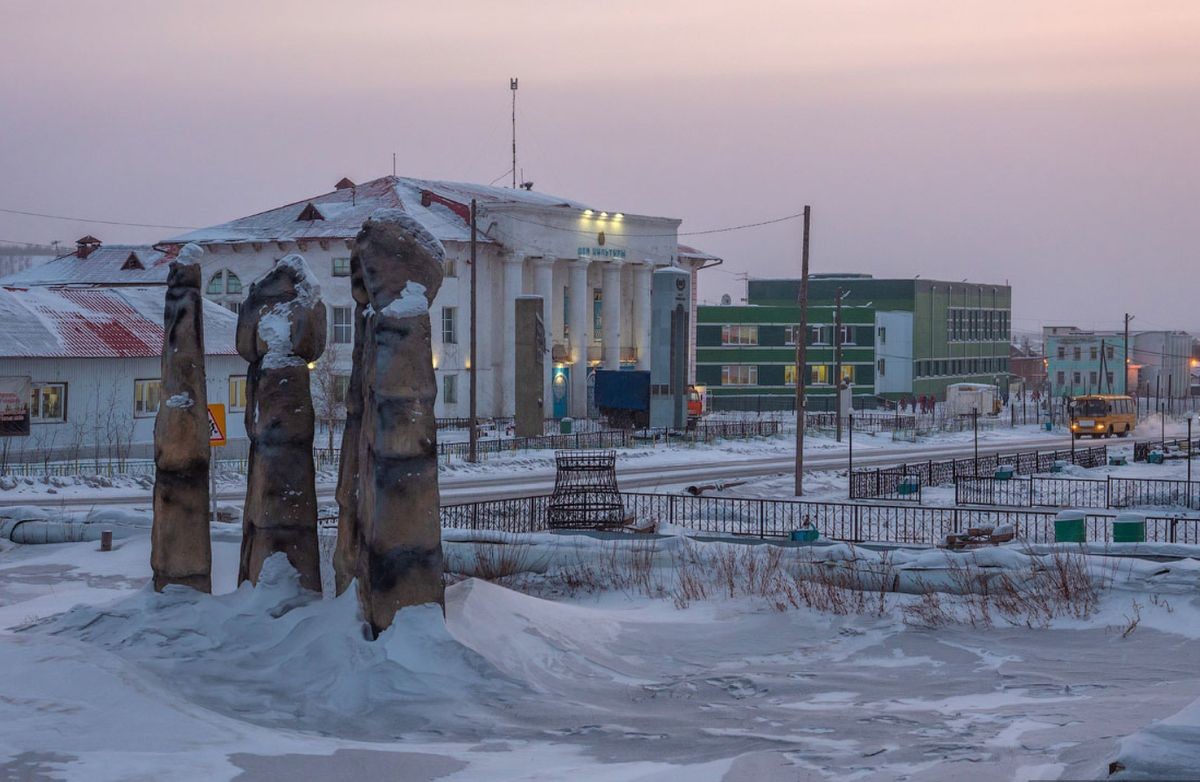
(514, 266)
(544, 287)
(579, 321)
(611, 314)
(642, 274)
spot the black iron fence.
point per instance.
(844, 521)
(893, 483)
(1077, 492)
(1142, 448)
(946, 472)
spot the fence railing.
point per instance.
(946, 472)
(886, 484)
(1053, 492)
(1142, 448)
(844, 521)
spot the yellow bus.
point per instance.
(1102, 415)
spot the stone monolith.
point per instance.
(281, 330)
(180, 549)
(389, 536)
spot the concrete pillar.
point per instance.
(514, 266)
(611, 314)
(641, 313)
(544, 287)
(579, 321)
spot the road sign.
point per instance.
(216, 425)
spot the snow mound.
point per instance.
(415, 228)
(1164, 749)
(279, 655)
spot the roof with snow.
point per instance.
(127, 322)
(442, 207)
(687, 253)
(114, 264)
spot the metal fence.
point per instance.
(845, 521)
(1077, 492)
(1142, 448)
(886, 484)
(947, 472)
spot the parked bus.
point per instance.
(1102, 415)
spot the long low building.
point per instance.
(94, 358)
(901, 338)
(592, 267)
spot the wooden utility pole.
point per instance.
(837, 362)
(473, 423)
(801, 351)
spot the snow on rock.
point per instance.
(307, 289)
(277, 654)
(412, 302)
(183, 400)
(416, 229)
(275, 325)
(189, 254)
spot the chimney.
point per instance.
(86, 246)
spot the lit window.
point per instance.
(237, 392)
(48, 404)
(343, 327)
(739, 335)
(818, 374)
(847, 373)
(146, 395)
(789, 374)
(739, 375)
(449, 325)
(341, 267)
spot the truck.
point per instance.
(623, 397)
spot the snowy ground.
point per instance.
(593, 668)
(662, 453)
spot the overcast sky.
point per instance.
(1049, 144)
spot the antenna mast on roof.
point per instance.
(512, 86)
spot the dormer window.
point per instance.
(223, 282)
(309, 213)
(132, 263)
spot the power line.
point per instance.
(89, 220)
(706, 232)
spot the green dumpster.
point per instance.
(1069, 527)
(806, 535)
(908, 486)
(1129, 528)
(565, 425)
(1004, 472)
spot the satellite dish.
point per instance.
(725, 300)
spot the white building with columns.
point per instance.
(592, 268)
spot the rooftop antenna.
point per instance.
(393, 164)
(512, 86)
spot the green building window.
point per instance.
(739, 335)
(739, 375)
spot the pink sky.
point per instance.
(1051, 144)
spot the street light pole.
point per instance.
(850, 472)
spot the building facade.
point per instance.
(94, 357)
(591, 267)
(1090, 362)
(900, 338)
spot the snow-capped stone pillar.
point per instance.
(579, 323)
(389, 535)
(281, 328)
(611, 314)
(642, 274)
(180, 548)
(514, 269)
(544, 287)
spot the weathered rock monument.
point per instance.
(281, 329)
(389, 535)
(180, 549)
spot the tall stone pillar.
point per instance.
(389, 532)
(180, 548)
(514, 267)
(641, 313)
(281, 328)
(611, 314)
(579, 321)
(530, 340)
(544, 287)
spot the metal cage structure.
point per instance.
(585, 491)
